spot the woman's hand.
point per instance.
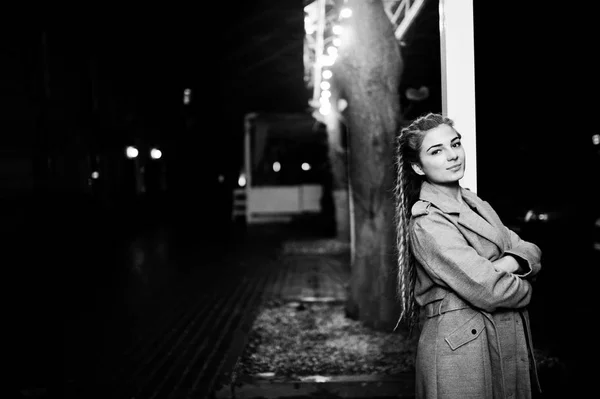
(507, 263)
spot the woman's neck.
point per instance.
(451, 189)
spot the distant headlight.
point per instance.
(131, 152)
(242, 180)
(155, 153)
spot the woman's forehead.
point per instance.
(440, 135)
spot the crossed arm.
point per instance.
(451, 262)
(522, 259)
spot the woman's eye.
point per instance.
(457, 144)
(435, 152)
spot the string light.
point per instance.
(330, 55)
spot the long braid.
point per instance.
(406, 269)
(408, 186)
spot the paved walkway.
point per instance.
(173, 333)
(174, 326)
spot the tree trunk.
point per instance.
(338, 159)
(368, 74)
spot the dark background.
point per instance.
(71, 91)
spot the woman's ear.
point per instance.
(417, 168)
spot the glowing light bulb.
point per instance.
(345, 12)
(155, 153)
(131, 152)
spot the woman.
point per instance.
(467, 273)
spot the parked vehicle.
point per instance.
(284, 170)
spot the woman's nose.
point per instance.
(452, 155)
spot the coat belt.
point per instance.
(449, 303)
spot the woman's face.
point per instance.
(442, 157)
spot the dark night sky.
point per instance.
(240, 55)
(236, 56)
(533, 68)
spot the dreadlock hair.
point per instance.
(407, 190)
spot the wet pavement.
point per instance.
(109, 309)
(164, 329)
(157, 312)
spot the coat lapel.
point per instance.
(483, 224)
(487, 213)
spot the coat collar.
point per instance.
(483, 222)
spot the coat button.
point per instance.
(473, 331)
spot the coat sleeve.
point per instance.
(527, 253)
(451, 262)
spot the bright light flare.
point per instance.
(95, 175)
(329, 60)
(276, 166)
(309, 27)
(131, 152)
(345, 12)
(155, 153)
(325, 108)
(242, 180)
(305, 166)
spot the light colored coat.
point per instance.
(475, 341)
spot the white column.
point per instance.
(458, 77)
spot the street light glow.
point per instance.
(345, 12)
(131, 152)
(155, 153)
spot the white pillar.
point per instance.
(458, 77)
